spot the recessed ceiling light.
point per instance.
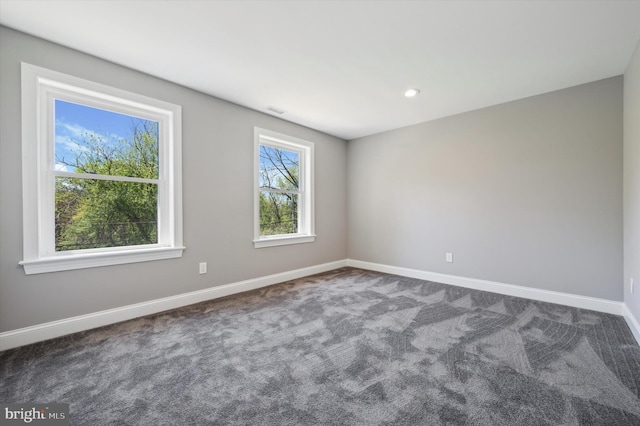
(411, 93)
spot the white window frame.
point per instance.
(40, 88)
(306, 216)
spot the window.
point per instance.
(101, 174)
(283, 190)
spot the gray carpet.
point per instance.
(345, 347)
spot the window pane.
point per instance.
(92, 140)
(278, 213)
(92, 213)
(279, 168)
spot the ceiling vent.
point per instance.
(275, 110)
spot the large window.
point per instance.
(283, 190)
(101, 174)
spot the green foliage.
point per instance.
(94, 213)
(278, 213)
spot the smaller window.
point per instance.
(283, 190)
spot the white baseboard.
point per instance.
(49, 330)
(576, 301)
(567, 299)
(633, 323)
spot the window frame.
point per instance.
(40, 88)
(306, 196)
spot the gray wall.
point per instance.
(632, 182)
(526, 193)
(217, 196)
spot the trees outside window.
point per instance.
(279, 191)
(99, 211)
(284, 190)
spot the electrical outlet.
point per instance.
(449, 257)
(631, 285)
(203, 268)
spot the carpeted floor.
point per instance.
(345, 347)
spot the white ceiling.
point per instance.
(342, 66)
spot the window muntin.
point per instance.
(144, 182)
(284, 190)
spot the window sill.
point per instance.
(283, 240)
(93, 260)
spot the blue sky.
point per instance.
(76, 122)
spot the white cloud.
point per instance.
(70, 144)
(77, 131)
